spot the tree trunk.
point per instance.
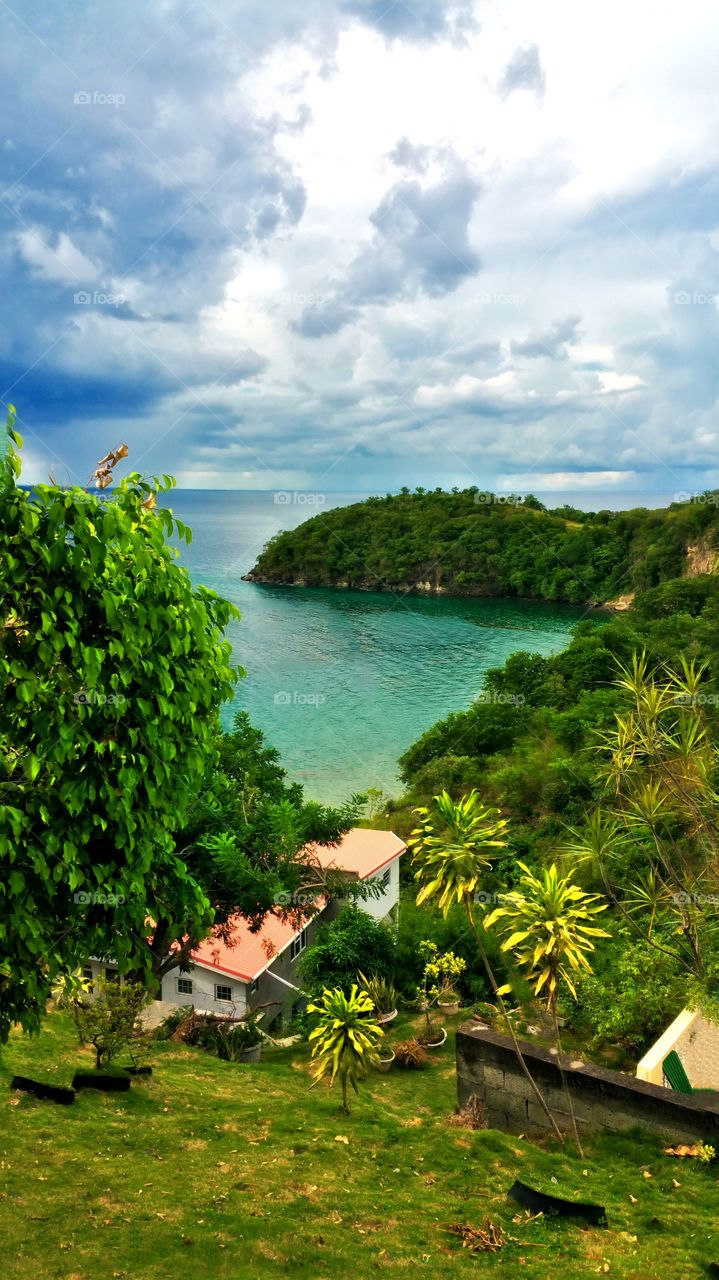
(520, 1056)
(567, 1093)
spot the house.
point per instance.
(260, 969)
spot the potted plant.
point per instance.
(383, 995)
(239, 1041)
(386, 1058)
(411, 1055)
(433, 1036)
(440, 971)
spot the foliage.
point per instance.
(381, 992)
(632, 995)
(452, 847)
(247, 842)
(468, 542)
(411, 1055)
(654, 840)
(441, 972)
(114, 668)
(549, 930)
(341, 947)
(108, 1018)
(346, 1039)
(166, 1029)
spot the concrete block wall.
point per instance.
(602, 1099)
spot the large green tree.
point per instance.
(114, 667)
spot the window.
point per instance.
(112, 975)
(184, 986)
(222, 992)
(87, 973)
(254, 985)
(298, 944)
(385, 879)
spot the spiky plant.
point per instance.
(548, 928)
(453, 848)
(346, 1038)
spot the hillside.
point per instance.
(468, 543)
(227, 1170)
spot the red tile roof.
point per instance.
(360, 853)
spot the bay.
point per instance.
(341, 682)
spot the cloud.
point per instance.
(415, 20)
(552, 342)
(524, 71)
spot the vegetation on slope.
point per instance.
(220, 1169)
(471, 543)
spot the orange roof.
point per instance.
(360, 853)
(248, 954)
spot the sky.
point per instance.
(352, 245)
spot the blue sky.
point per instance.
(355, 245)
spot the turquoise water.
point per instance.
(342, 682)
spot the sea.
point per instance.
(342, 682)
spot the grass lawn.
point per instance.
(214, 1169)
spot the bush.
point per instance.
(352, 942)
(108, 1019)
(410, 1055)
(632, 996)
(166, 1029)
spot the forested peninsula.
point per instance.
(471, 543)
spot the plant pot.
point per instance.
(252, 1054)
(434, 1044)
(383, 1018)
(384, 1064)
(449, 1009)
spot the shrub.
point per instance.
(345, 1041)
(381, 992)
(108, 1020)
(410, 1055)
(166, 1029)
(343, 946)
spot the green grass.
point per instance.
(216, 1169)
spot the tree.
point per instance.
(248, 844)
(107, 1018)
(345, 1041)
(114, 667)
(548, 923)
(453, 848)
(653, 843)
(343, 947)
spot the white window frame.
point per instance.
(185, 991)
(254, 985)
(223, 986)
(298, 944)
(386, 879)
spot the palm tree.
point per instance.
(548, 923)
(345, 1039)
(452, 848)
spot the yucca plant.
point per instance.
(346, 1038)
(548, 927)
(453, 848)
(381, 992)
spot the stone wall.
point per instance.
(487, 1066)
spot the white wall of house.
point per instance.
(209, 991)
(381, 907)
(696, 1040)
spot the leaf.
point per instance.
(340, 1137)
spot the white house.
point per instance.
(259, 969)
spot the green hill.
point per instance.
(468, 543)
